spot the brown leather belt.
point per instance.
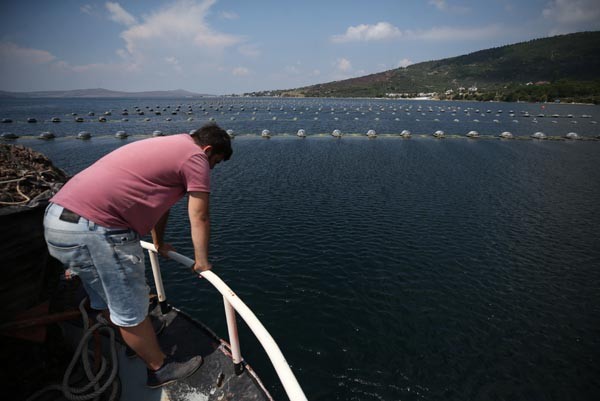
(69, 216)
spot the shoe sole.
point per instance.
(174, 380)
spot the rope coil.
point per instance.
(94, 380)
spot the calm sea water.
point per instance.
(391, 269)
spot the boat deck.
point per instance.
(216, 378)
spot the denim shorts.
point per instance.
(109, 261)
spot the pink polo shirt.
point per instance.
(133, 186)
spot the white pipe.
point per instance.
(288, 380)
(234, 340)
(160, 289)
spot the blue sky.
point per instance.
(227, 46)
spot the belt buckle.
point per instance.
(69, 216)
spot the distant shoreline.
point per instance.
(100, 93)
(147, 95)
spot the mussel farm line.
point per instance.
(263, 114)
(266, 134)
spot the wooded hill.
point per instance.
(565, 67)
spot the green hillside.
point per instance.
(565, 67)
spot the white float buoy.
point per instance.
(84, 135)
(301, 133)
(157, 133)
(8, 135)
(230, 133)
(506, 135)
(121, 135)
(539, 135)
(371, 133)
(336, 133)
(46, 135)
(473, 134)
(265, 133)
(572, 135)
(439, 134)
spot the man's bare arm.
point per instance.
(158, 235)
(198, 210)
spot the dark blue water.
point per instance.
(394, 269)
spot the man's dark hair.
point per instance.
(215, 136)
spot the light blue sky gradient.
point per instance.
(224, 47)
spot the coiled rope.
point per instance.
(94, 380)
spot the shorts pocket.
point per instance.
(75, 257)
(127, 247)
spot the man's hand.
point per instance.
(164, 249)
(200, 267)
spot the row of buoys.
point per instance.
(570, 135)
(362, 107)
(81, 135)
(275, 118)
(440, 134)
(103, 119)
(301, 133)
(320, 107)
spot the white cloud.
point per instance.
(240, 71)
(172, 61)
(119, 15)
(573, 15)
(170, 46)
(343, 65)
(386, 31)
(366, 33)
(405, 63)
(16, 54)
(183, 22)
(87, 9)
